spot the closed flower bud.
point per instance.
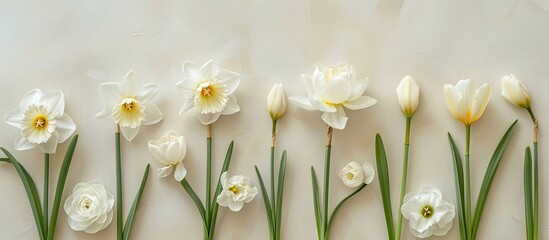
(276, 103)
(515, 91)
(408, 95)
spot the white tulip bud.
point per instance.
(515, 91)
(276, 102)
(408, 95)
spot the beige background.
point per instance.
(76, 45)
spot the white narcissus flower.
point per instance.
(276, 102)
(354, 174)
(89, 207)
(514, 90)
(237, 190)
(408, 95)
(42, 121)
(208, 91)
(170, 150)
(428, 213)
(330, 89)
(466, 101)
(128, 104)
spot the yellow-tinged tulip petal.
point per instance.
(514, 90)
(466, 101)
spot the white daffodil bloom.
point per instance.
(42, 121)
(237, 190)
(354, 174)
(466, 101)
(408, 95)
(514, 90)
(276, 102)
(89, 207)
(128, 104)
(170, 150)
(330, 89)
(208, 91)
(428, 213)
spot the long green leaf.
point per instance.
(489, 177)
(316, 205)
(280, 192)
(458, 175)
(135, 204)
(266, 202)
(32, 193)
(61, 180)
(528, 206)
(383, 170)
(196, 200)
(339, 205)
(5, 160)
(215, 205)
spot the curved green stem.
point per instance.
(119, 220)
(328, 156)
(404, 176)
(46, 191)
(273, 196)
(468, 217)
(208, 179)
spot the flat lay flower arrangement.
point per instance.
(207, 92)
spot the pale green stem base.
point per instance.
(404, 176)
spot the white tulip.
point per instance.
(42, 121)
(237, 190)
(428, 213)
(208, 91)
(128, 104)
(276, 103)
(170, 150)
(408, 95)
(89, 207)
(514, 90)
(466, 101)
(330, 89)
(354, 174)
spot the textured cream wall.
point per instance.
(76, 45)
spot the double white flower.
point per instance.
(128, 104)
(170, 150)
(89, 207)
(428, 213)
(208, 91)
(354, 174)
(466, 101)
(42, 121)
(330, 89)
(237, 190)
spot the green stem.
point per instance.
(328, 155)
(535, 174)
(46, 191)
(468, 217)
(273, 196)
(404, 175)
(119, 220)
(208, 176)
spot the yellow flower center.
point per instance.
(87, 205)
(40, 121)
(128, 104)
(210, 97)
(427, 211)
(349, 176)
(234, 189)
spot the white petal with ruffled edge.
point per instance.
(337, 120)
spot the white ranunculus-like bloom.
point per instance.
(170, 150)
(128, 104)
(466, 101)
(428, 213)
(408, 95)
(354, 174)
(237, 190)
(89, 207)
(42, 121)
(330, 89)
(208, 91)
(514, 90)
(276, 103)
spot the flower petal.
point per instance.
(106, 112)
(129, 87)
(231, 107)
(230, 79)
(454, 102)
(14, 117)
(208, 118)
(359, 88)
(65, 126)
(360, 103)
(54, 102)
(129, 133)
(22, 144)
(209, 70)
(180, 172)
(51, 145)
(32, 97)
(110, 92)
(148, 92)
(369, 172)
(188, 108)
(152, 114)
(337, 119)
(302, 102)
(321, 105)
(191, 70)
(481, 99)
(187, 86)
(164, 171)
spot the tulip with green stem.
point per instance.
(467, 102)
(517, 93)
(276, 105)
